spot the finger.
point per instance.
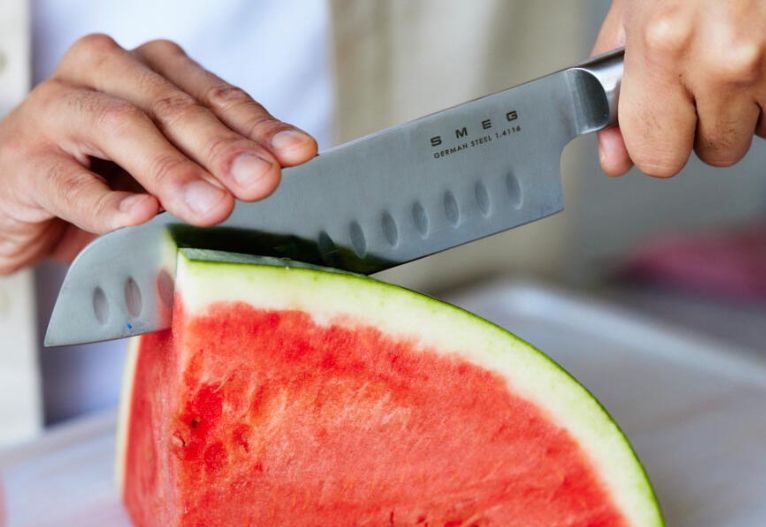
(68, 191)
(613, 154)
(60, 241)
(243, 166)
(94, 124)
(725, 129)
(232, 105)
(728, 71)
(656, 113)
(71, 242)
(23, 249)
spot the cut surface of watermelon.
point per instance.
(294, 395)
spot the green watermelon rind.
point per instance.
(548, 385)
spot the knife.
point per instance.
(443, 180)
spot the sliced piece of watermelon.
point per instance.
(292, 395)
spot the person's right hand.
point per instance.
(114, 135)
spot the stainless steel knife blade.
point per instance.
(449, 178)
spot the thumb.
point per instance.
(613, 154)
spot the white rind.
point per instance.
(123, 413)
(202, 278)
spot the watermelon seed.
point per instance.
(177, 441)
(195, 422)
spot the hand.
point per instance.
(115, 135)
(694, 79)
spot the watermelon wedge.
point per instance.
(287, 394)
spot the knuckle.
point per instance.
(46, 92)
(164, 46)
(167, 170)
(74, 189)
(99, 209)
(46, 88)
(174, 106)
(667, 33)
(59, 173)
(68, 183)
(262, 125)
(118, 115)
(739, 63)
(223, 150)
(225, 95)
(54, 175)
(94, 45)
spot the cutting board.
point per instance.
(695, 410)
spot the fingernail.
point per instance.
(289, 139)
(131, 201)
(200, 196)
(247, 169)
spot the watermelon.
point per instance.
(288, 394)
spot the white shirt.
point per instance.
(277, 50)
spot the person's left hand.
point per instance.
(694, 80)
(115, 134)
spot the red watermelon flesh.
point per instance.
(299, 396)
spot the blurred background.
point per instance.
(690, 251)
